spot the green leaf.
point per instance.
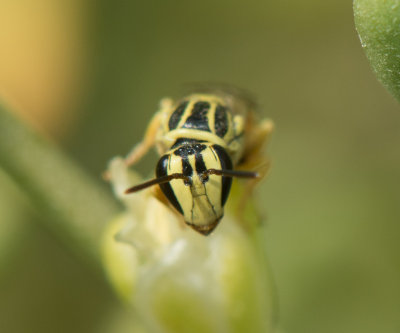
(378, 26)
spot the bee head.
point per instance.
(196, 179)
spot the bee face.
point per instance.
(198, 196)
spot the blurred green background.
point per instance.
(89, 76)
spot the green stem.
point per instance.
(74, 205)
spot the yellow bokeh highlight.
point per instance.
(42, 60)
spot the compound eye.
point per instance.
(226, 164)
(166, 188)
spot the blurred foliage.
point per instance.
(332, 195)
(378, 24)
(69, 200)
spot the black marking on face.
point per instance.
(201, 167)
(177, 115)
(198, 119)
(226, 164)
(221, 121)
(187, 171)
(166, 188)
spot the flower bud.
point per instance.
(179, 280)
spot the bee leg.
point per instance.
(152, 133)
(140, 149)
(247, 192)
(150, 137)
(254, 159)
(258, 139)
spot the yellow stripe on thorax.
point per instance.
(189, 133)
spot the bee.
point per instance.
(204, 140)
